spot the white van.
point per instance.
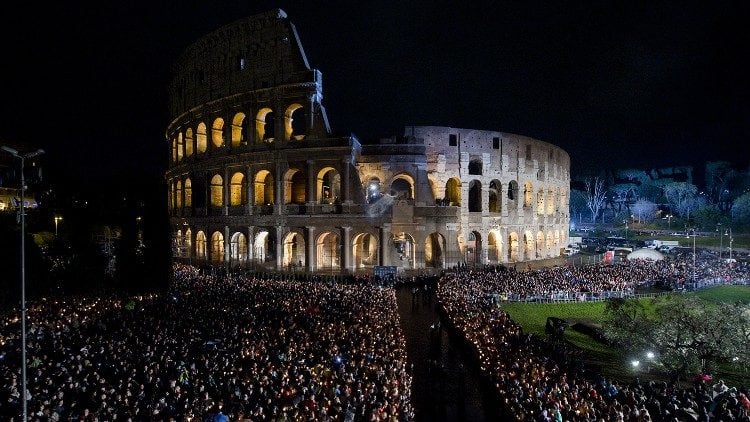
(571, 249)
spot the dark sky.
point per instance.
(615, 84)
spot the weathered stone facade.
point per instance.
(256, 178)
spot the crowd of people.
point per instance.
(535, 380)
(238, 347)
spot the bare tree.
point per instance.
(595, 195)
(681, 196)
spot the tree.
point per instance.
(680, 196)
(577, 204)
(741, 210)
(719, 177)
(595, 196)
(644, 209)
(687, 333)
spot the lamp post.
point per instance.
(23, 158)
(721, 238)
(693, 234)
(731, 240)
(58, 219)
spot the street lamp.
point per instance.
(58, 219)
(23, 158)
(693, 231)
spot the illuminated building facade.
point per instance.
(257, 179)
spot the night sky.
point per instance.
(615, 84)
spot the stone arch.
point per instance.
(178, 194)
(539, 251)
(475, 196)
(187, 242)
(238, 247)
(200, 245)
(513, 247)
(294, 250)
(328, 248)
(475, 166)
(264, 248)
(264, 124)
(402, 186)
(237, 189)
(404, 250)
(188, 193)
(528, 245)
(295, 187)
(528, 194)
(217, 132)
(180, 146)
(240, 129)
(453, 192)
(494, 247)
(474, 248)
(434, 250)
(365, 250)
(540, 202)
(493, 196)
(201, 138)
(373, 190)
(264, 188)
(550, 202)
(294, 123)
(328, 185)
(217, 247)
(512, 190)
(189, 142)
(217, 191)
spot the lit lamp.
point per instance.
(23, 158)
(58, 219)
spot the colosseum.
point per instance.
(257, 179)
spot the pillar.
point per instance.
(250, 243)
(225, 185)
(346, 247)
(311, 177)
(310, 244)
(249, 190)
(384, 259)
(345, 193)
(279, 247)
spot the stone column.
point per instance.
(250, 244)
(279, 247)
(225, 192)
(310, 244)
(227, 246)
(311, 178)
(384, 258)
(249, 190)
(279, 191)
(346, 248)
(346, 198)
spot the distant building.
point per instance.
(257, 179)
(10, 181)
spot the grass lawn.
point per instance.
(610, 361)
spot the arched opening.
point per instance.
(295, 188)
(187, 242)
(402, 187)
(237, 189)
(180, 146)
(188, 193)
(239, 129)
(189, 142)
(217, 247)
(294, 251)
(550, 202)
(453, 192)
(178, 194)
(528, 194)
(217, 191)
(265, 247)
(264, 124)
(328, 251)
(404, 250)
(373, 190)
(494, 193)
(238, 248)
(512, 190)
(434, 251)
(475, 196)
(177, 241)
(217, 132)
(365, 250)
(200, 245)
(513, 247)
(475, 166)
(202, 138)
(494, 247)
(540, 202)
(264, 190)
(294, 123)
(328, 185)
(474, 248)
(528, 241)
(540, 244)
